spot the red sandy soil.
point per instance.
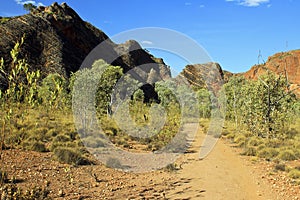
(223, 174)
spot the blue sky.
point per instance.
(233, 32)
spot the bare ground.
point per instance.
(223, 174)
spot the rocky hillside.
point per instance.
(284, 63)
(58, 40)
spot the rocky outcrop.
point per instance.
(58, 40)
(285, 63)
(208, 75)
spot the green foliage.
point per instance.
(171, 94)
(255, 141)
(53, 92)
(280, 167)
(294, 173)
(287, 155)
(93, 142)
(166, 92)
(296, 108)
(70, 156)
(235, 99)
(104, 76)
(106, 84)
(29, 6)
(138, 95)
(38, 146)
(11, 192)
(264, 106)
(250, 151)
(20, 94)
(171, 167)
(203, 96)
(240, 140)
(268, 153)
(22, 83)
(4, 19)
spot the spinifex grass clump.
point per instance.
(70, 156)
(294, 173)
(11, 191)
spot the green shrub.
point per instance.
(225, 132)
(69, 144)
(52, 133)
(61, 138)
(267, 153)
(239, 139)
(274, 143)
(230, 136)
(287, 155)
(255, 141)
(292, 133)
(280, 167)
(70, 156)
(171, 167)
(92, 142)
(4, 19)
(261, 146)
(294, 173)
(38, 146)
(297, 152)
(52, 92)
(11, 192)
(250, 151)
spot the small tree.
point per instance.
(29, 7)
(21, 91)
(204, 103)
(235, 99)
(103, 75)
(265, 106)
(138, 95)
(52, 91)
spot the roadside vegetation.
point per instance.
(263, 119)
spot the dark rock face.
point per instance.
(58, 40)
(149, 93)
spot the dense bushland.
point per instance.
(263, 118)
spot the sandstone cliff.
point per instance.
(284, 63)
(209, 75)
(58, 40)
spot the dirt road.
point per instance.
(221, 175)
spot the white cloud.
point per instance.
(249, 3)
(22, 2)
(187, 3)
(202, 6)
(253, 3)
(147, 42)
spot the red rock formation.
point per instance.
(58, 40)
(284, 63)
